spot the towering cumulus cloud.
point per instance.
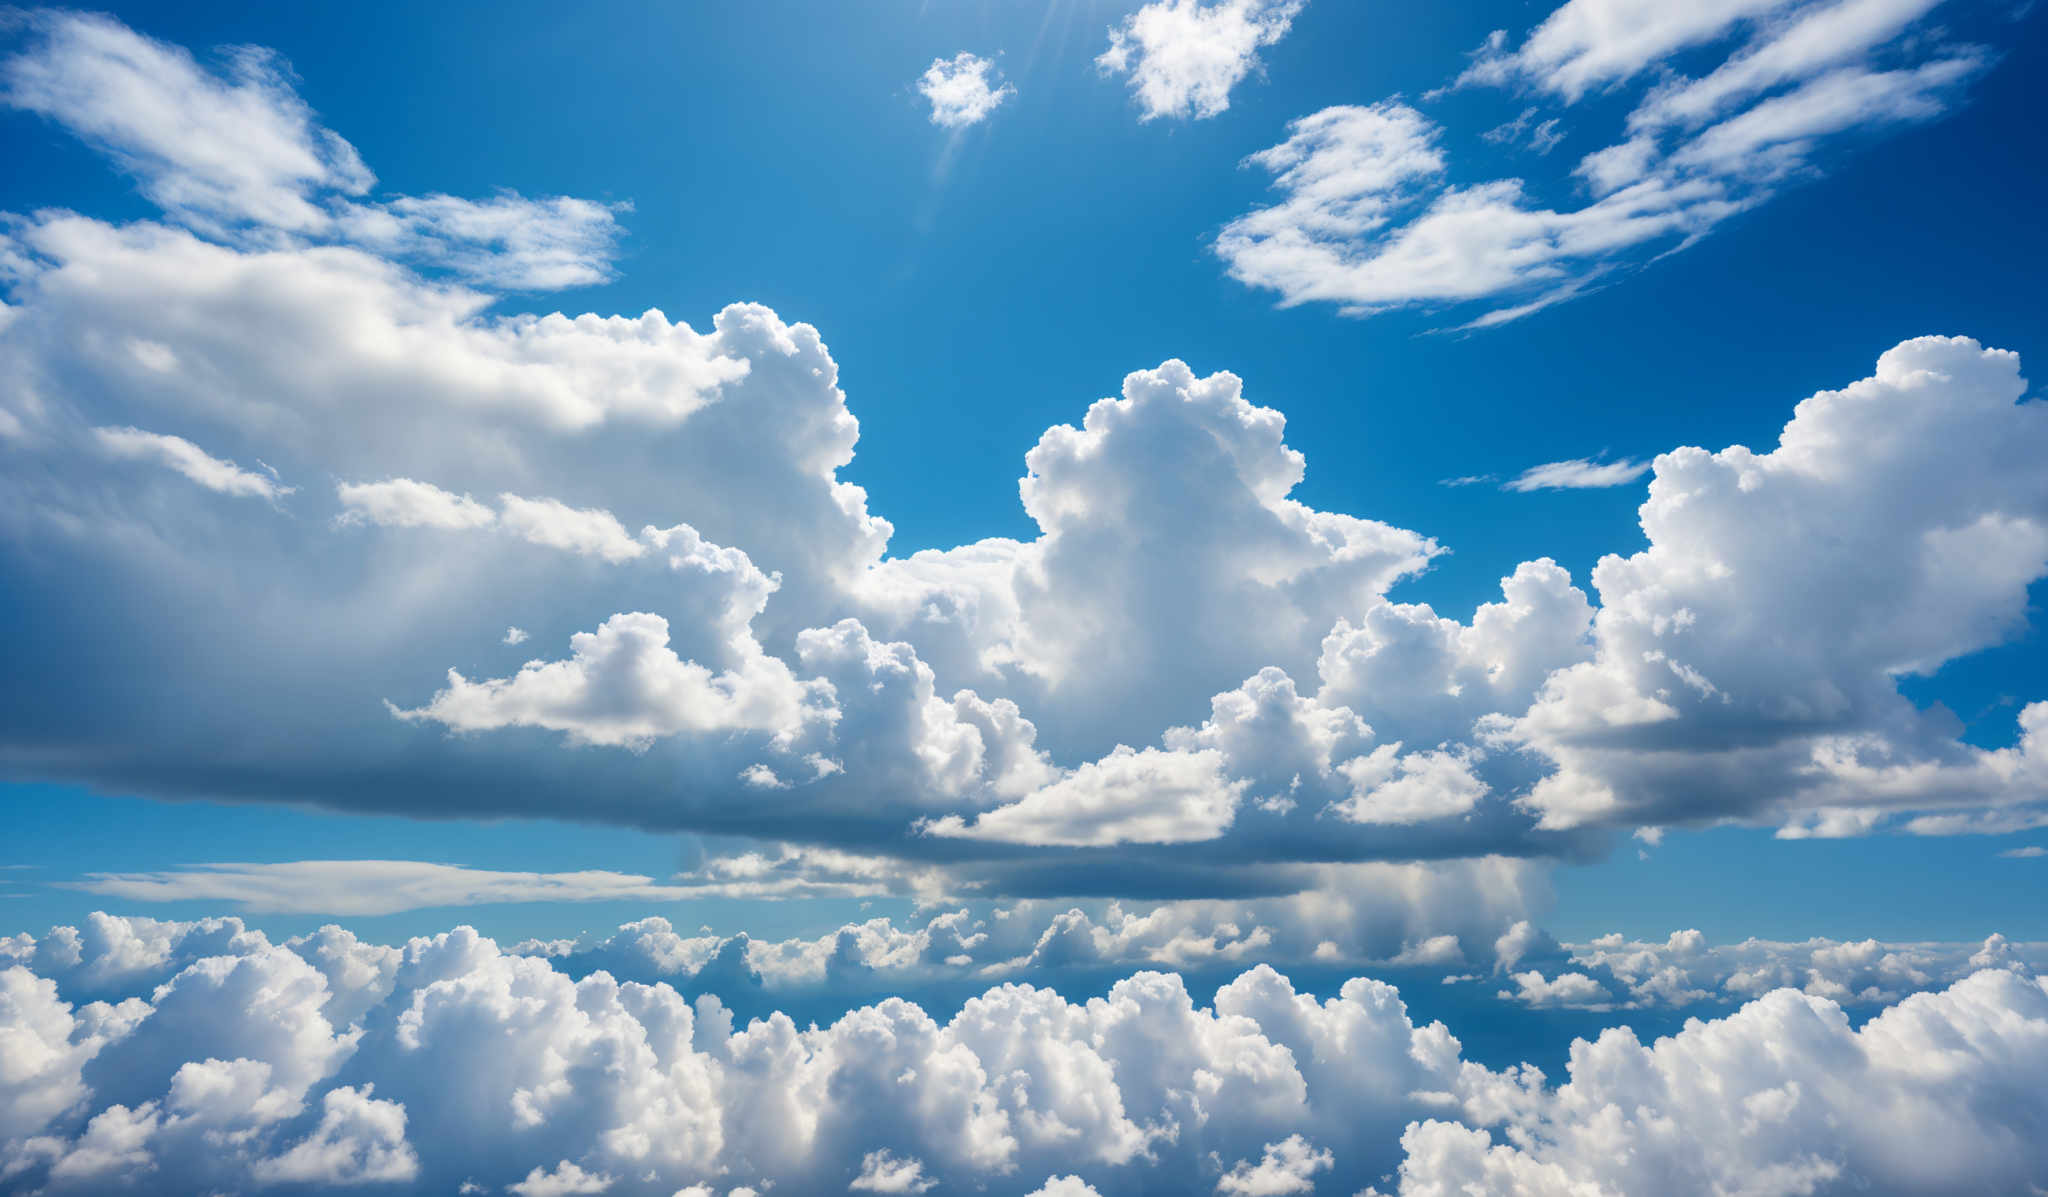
(188, 1058)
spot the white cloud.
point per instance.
(507, 242)
(369, 887)
(564, 1180)
(963, 90)
(233, 151)
(1389, 787)
(1288, 1166)
(1148, 797)
(514, 635)
(1578, 474)
(1796, 76)
(1586, 44)
(1576, 990)
(1183, 57)
(177, 453)
(1885, 555)
(591, 531)
(229, 146)
(882, 1172)
(2030, 852)
(473, 1068)
(404, 503)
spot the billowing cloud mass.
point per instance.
(1184, 671)
(1183, 57)
(963, 89)
(192, 1058)
(1372, 216)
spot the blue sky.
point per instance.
(349, 583)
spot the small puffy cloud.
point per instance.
(1575, 990)
(963, 90)
(2030, 852)
(514, 635)
(1583, 473)
(1129, 796)
(178, 454)
(1391, 787)
(623, 685)
(1065, 1186)
(566, 1179)
(1288, 1166)
(883, 1172)
(404, 503)
(1183, 57)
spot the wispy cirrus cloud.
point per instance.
(1371, 215)
(1579, 473)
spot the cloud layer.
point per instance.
(447, 1063)
(1185, 669)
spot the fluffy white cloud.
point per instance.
(1183, 57)
(404, 503)
(1686, 970)
(1860, 548)
(1782, 1097)
(477, 1070)
(963, 90)
(1184, 659)
(1128, 797)
(1370, 219)
(881, 1172)
(1288, 1166)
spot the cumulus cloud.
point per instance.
(1686, 970)
(404, 503)
(1183, 57)
(457, 1066)
(1818, 723)
(963, 90)
(1371, 218)
(1181, 662)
